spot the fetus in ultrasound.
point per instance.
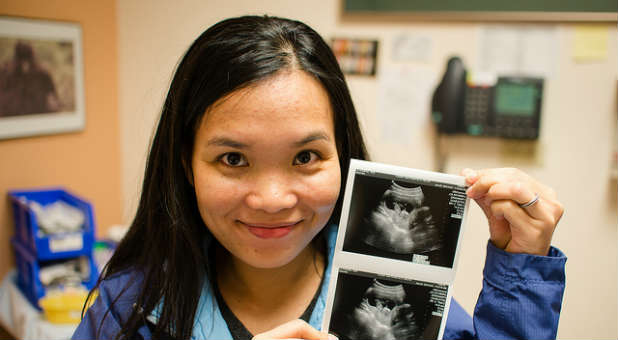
(401, 223)
(382, 314)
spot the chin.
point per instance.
(272, 257)
(269, 262)
(279, 254)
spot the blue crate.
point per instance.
(28, 268)
(57, 246)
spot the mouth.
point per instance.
(270, 230)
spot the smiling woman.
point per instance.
(243, 176)
(236, 226)
(265, 188)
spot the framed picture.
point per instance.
(41, 77)
(356, 56)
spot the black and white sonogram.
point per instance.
(417, 221)
(367, 306)
(402, 223)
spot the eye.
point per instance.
(306, 157)
(233, 159)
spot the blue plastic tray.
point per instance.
(56, 246)
(28, 268)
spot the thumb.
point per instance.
(470, 175)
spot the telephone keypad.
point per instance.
(479, 119)
(476, 109)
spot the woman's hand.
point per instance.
(516, 229)
(295, 329)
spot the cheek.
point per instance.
(215, 196)
(323, 191)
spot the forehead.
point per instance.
(292, 99)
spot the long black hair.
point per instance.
(164, 243)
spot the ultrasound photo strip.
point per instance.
(402, 214)
(369, 306)
(399, 233)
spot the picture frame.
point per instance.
(356, 56)
(41, 77)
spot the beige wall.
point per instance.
(85, 162)
(578, 131)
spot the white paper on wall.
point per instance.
(404, 98)
(518, 50)
(412, 47)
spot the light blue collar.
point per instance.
(320, 305)
(209, 323)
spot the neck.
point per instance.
(266, 286)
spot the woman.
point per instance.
(242, 192)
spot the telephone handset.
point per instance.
(510, 108)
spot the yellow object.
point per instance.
(590, 43)
(65, 306)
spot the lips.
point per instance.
(270, 230)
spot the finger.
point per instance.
(470, 175)
(486, 178)
(521, 193)
(295, 329)
(484, 203)
(477, 190)
(528, 235)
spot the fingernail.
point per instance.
(468, 173)
(332, 337)
(470, 193)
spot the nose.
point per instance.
(271, 194)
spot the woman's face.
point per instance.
(266, 170)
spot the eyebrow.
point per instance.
(226, 142)
(312, 137)
(222, 141)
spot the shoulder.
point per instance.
(113, 306)
(122, 288)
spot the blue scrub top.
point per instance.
(521, 299)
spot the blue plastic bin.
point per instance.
(56, 246)
(28, 267)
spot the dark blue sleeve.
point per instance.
(104, 322)
(458, 323)
(521, 298)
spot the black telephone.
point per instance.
(511, 108)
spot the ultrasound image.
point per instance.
(367, 307)
(404, 220)
(382, 314)
(402, 223)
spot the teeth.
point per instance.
(266, 225)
